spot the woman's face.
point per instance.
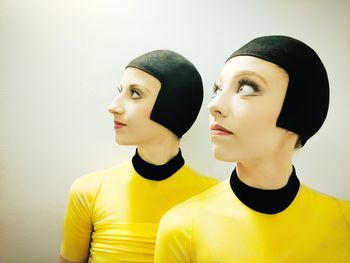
(132, 109)
(247, 100)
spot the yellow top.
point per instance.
(215, 226)
(115, 212)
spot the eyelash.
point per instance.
(216, 88)
(245, 81)
(242, 82)
(132, 92)
(135, 91)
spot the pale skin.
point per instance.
(131, 109)
(248, 97)
(133, 106)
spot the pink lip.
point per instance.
(118, 125)
(216, 129)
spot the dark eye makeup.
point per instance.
(248, 82)
(216, 89)
(135, 93)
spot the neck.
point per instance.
(265, 176)
(270, 172)
(159, 153)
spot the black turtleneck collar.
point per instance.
(157, 172)
(265, 201)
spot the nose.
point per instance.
(115, 107)
(216, 107)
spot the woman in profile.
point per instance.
(270, 98)
(113, 215)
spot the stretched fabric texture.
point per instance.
(215, 226)
(117, 211)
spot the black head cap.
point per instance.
(181, 93)
(306, 103)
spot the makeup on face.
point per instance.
(118, 125)
(218, 130)
(248, 96)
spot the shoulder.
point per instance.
(176, 222)
(310, 193)
(192, 174)
(173, 241)
(178, 215)
(178, 219)
(91, 182)
(217, 193)
(327, 203)
(184, 211)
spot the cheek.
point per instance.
(257, 130)
(138, 114)
(266, 120)
(260, 116)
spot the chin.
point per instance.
(122, 141)
(222, 154)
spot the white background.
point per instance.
(60, 63)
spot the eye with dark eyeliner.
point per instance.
(216, 89)
(135, 93)
(245, 83)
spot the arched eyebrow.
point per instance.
(248, 73)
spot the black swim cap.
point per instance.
(306, 103)
(181, 93)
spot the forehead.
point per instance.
(252, 65)
(137, 77)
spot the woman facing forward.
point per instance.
(271, 96)
(113, 215)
